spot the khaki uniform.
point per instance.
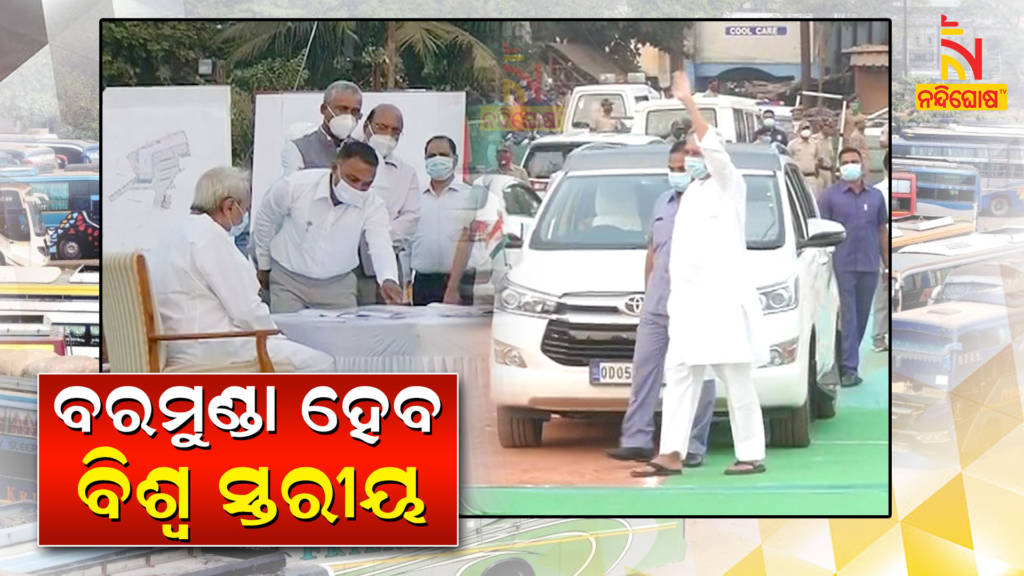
(516, 172)
(607, 124)
(806, 154)
(826, 148)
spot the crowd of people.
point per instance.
(330, 234)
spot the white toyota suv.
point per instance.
(565, 318)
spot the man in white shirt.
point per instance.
(396, 184)
(710, 288)
(204, 284)
(307, 232)
(341, 110)
(442, 245)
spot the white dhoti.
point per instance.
(234, 350)
(304, 358)
(679, 405)
(714, 310)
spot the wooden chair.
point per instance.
(132, 329)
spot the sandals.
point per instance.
(653, 469)
(741, 468)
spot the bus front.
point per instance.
(904, 194)
(21, 228)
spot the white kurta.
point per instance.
(204, 284)
(713, 307)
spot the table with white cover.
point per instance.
(437, 338)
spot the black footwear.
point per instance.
(693, 460)
(630, 453)
(849, 380)
(742, 468)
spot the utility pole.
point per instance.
(805, 55)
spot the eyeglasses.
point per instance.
(385, 130)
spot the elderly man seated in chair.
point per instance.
(204, 283)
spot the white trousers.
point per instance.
(679, 404)
(230, 350)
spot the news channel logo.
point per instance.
(960, 96)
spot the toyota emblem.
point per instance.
(633, 304)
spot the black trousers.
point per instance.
(430, 288)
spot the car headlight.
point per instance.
(780, 297)
(519, 300)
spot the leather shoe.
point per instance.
(630, 453)
(693, 460)
(850, 380)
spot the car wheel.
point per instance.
(793, 429)
(69, 250)
(999, 206)
(518, 428)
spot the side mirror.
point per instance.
(513, 242)
(822, 233)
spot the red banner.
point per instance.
(248, 460)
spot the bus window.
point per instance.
(56, 193)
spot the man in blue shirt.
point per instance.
(862, 211)
(637, 441)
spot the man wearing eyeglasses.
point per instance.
(397, 185)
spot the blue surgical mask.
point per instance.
(440, 168)
(696, 167)
(850, 172)
(242, 226)
(679, 180)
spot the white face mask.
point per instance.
(341, 126)
(237, 229)
(347, 194)
(383, 144)
(805, 133)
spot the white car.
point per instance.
(546, 155)
(565, 318)
(585, 103)
(735, 118)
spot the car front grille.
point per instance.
(577, 344)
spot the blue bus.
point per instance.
(996, 152)
(943, 188)
(71, 211)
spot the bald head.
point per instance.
(384, 119)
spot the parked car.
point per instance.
(735, 118)
(41, 157)
(74, 151)
(585, 103)
(546, 155)
(569, 307)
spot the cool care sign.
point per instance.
(755, 30)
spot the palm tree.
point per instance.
(257, 39)
(423, 39)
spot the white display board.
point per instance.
(281, 117)
(157, 142)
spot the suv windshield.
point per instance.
(543, 161)
(659, 122)
(588, 109)
(595, 212)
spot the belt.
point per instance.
(810, 173)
